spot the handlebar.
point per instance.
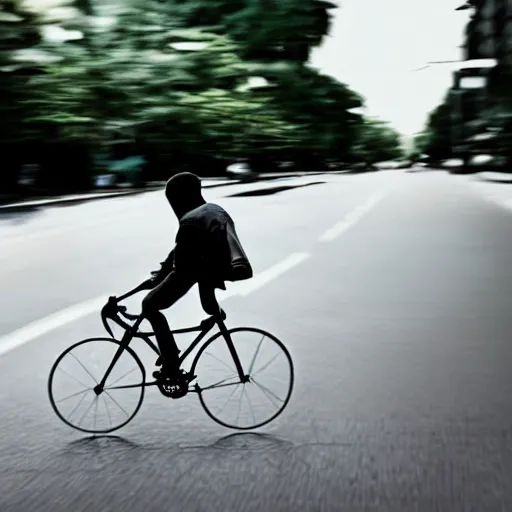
(112, 309)
(128, 316)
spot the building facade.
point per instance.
(489, 32)
(477, 109)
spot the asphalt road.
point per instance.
(392, 291)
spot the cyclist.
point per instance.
(207, 252)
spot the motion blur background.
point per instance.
(104, 93)
(364, 150)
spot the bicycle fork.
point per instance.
(123, 344)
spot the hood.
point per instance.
(183, 191)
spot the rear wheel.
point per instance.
(76, 373)
(265, 390)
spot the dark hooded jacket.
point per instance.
(207, 246)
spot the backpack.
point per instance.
(239, 267)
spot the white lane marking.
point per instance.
(70, 314)
(259, 280)
(353, 217)
(274, 272)
(45, 325)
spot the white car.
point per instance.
(240, 171)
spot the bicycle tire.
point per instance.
(69, 350)
(200, 391)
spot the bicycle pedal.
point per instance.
(173, 389)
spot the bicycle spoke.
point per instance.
(74, 378)
(253, 404)
(255, 354)
(217, 384)
(96, 412)
(267, 392)
(80, 363)
(116, 402)
(107, 409)
(86, 411)
(77, 406)
(74, 394)
(229, 398)
(219, 360)
(239, 404)
(268, 364)
(250, 404)
(122, 377)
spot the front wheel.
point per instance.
(258, 398)
(75, 375)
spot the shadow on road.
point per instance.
(112, 444)
(16, 218)
(494, 180)
(223, 184)
(273, 190)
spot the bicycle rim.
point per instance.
(79, 369)
(244, 405)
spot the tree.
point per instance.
(18, 37)
(436, 139)
(377, 142)
(179, 82)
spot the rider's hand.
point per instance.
(110, 307)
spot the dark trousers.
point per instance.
(165, 295)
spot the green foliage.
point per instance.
(18, 34)
(440, 126)
(436, 139)
(377, 142)
(115, 78)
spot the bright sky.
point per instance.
(375, 45)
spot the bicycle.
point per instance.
(239, 361)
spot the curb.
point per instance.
(79, 198)
(25, 205)
(495, 177)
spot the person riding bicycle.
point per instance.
(207, 252)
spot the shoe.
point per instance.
(168, 374)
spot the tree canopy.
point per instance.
(377, 142)
(181, 82)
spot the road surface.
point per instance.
(392, 291)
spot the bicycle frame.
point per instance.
(132, 331)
